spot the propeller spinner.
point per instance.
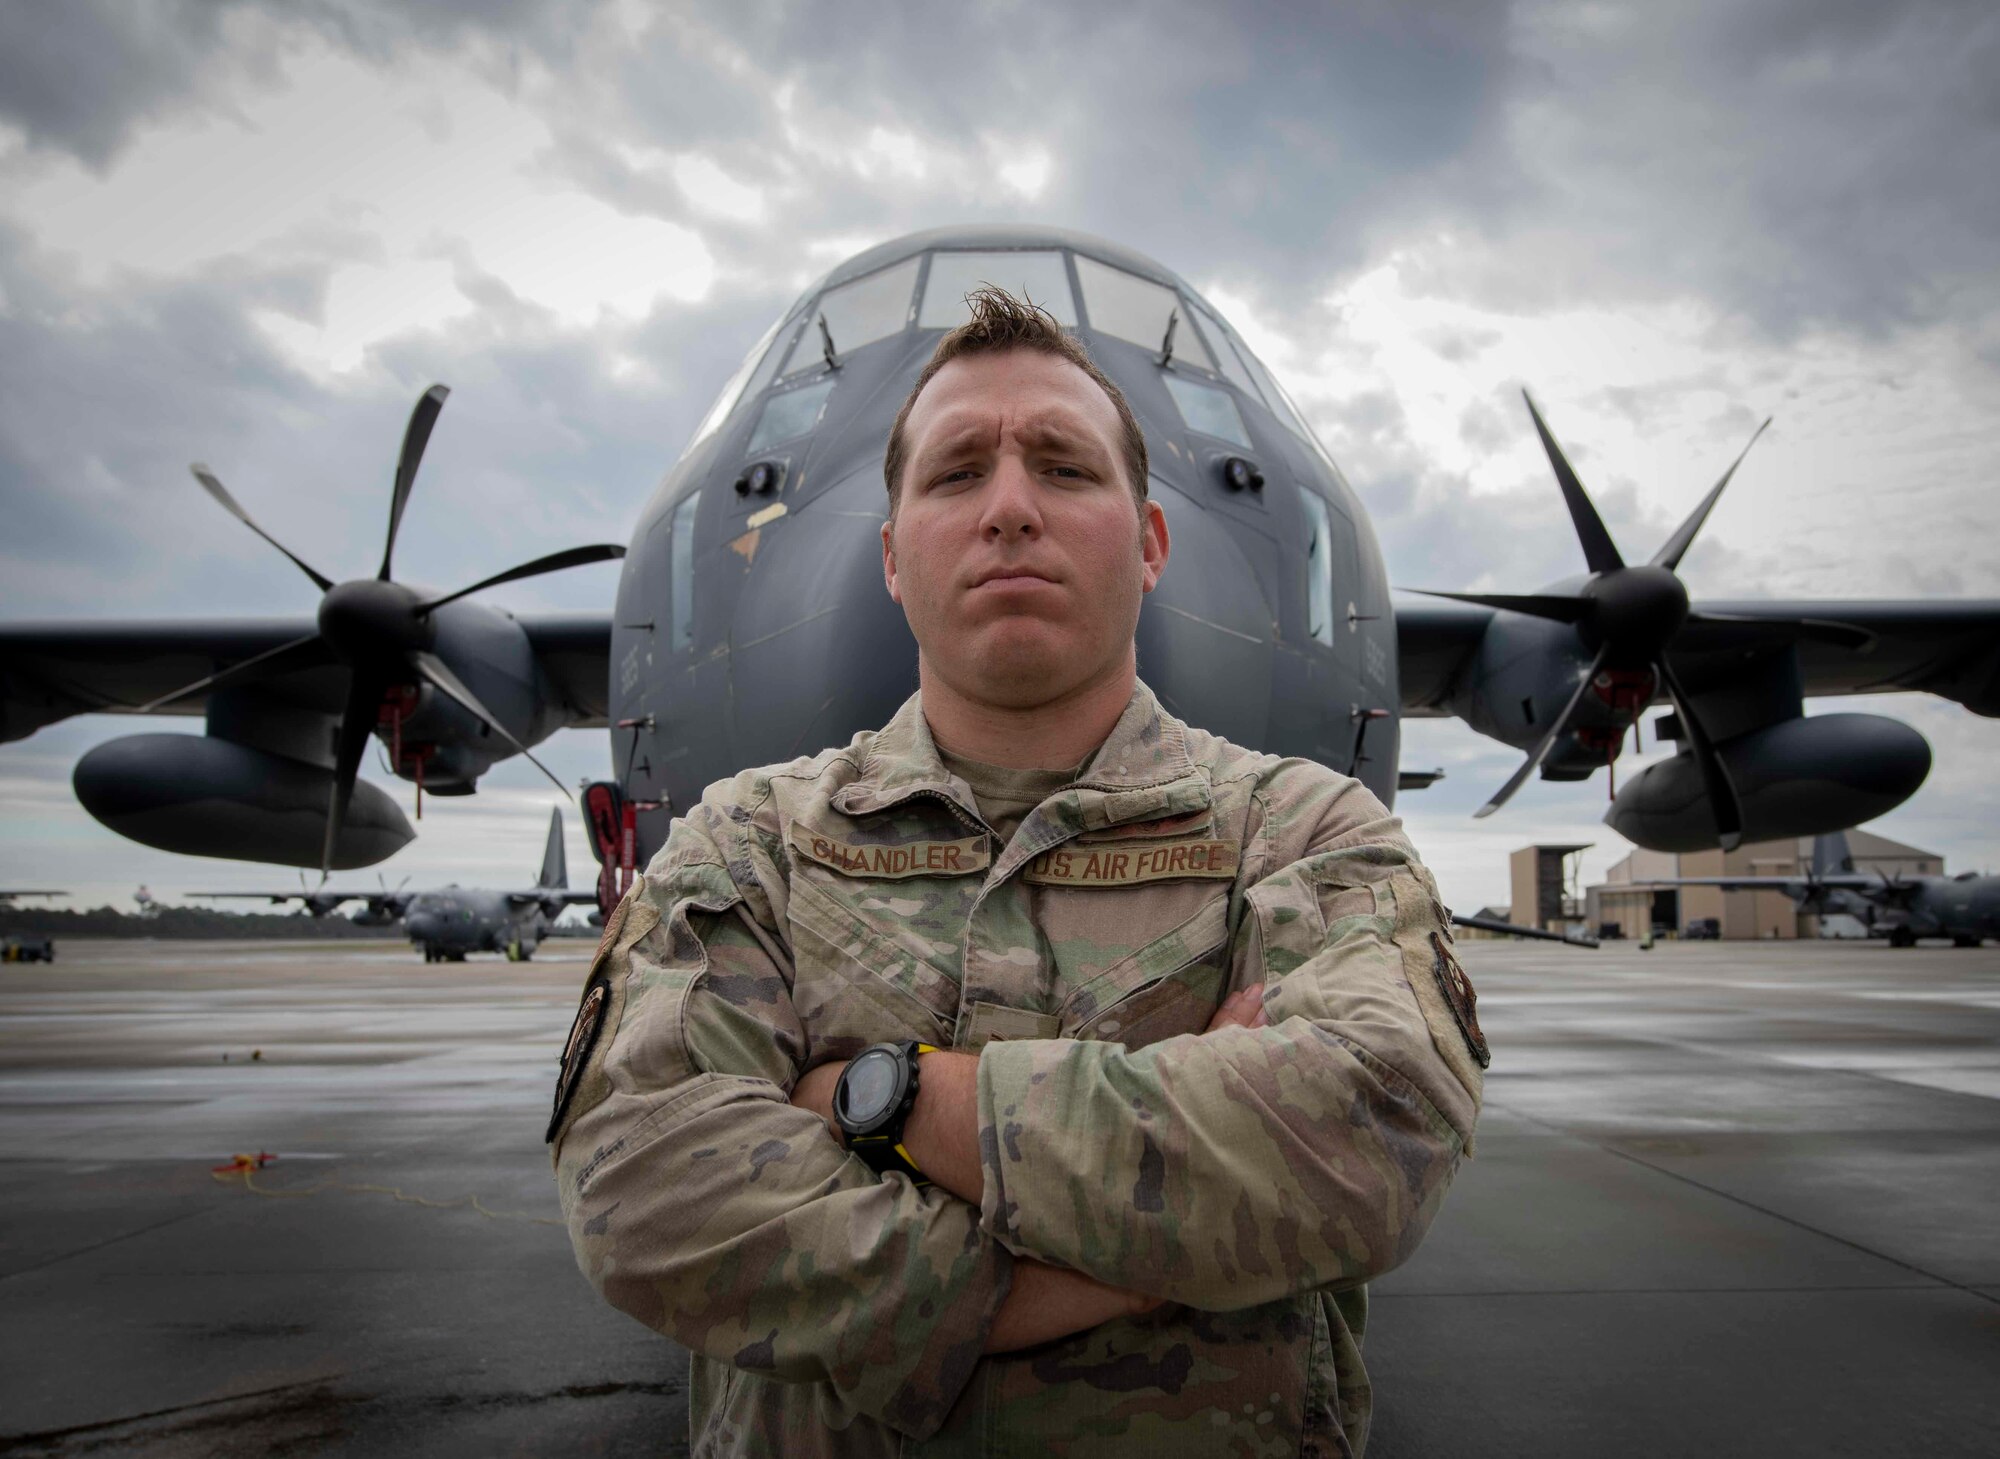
(378, 629)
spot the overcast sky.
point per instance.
(251, 234)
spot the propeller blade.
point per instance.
(1535, 605)
(554, 562)
(220, 492)
(1675, 548)
(357, 723)
(1714, 774)
(1821, 630)
(415, 437)
(1541, 751)
(1598, 548)
(440, 677)
(309, 652)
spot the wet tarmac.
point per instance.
(1729, 1199)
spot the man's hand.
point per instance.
(1242, 1009)
(814, 1091)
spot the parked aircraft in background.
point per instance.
(446, 923)
(750, 623)
(380, 908)
(1965, 908)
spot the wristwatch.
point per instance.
(876, 1092)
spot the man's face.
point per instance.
(1017, 549)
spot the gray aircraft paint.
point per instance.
(795, 645)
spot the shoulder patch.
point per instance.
(892, 862)
(1458, 995)
(583, 1032)
(1129, 863)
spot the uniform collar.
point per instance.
(1142, 770)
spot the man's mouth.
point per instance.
(1011, 577)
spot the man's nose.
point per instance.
(1012, 506)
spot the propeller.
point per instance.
(1629, 615)
(380, 631)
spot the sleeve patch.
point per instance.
(1460, 998)
(583, 1032)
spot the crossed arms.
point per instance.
(1043, 1302)
(1076, 1181)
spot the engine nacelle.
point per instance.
(202, 796)
(1799, 777)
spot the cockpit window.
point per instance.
(871, 308)
(1225, 352)
(734, 390)
(1208, 410)
(1026, 274)
(789, 413)
(1138, 309)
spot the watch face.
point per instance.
(867, 1088)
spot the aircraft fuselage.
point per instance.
(752, 625)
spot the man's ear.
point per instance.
(1154, 545)
(889, 560)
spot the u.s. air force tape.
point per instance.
(1129, 863)
(910, 858)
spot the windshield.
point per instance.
(1035, 275)
(871, 308)
(1138, 309)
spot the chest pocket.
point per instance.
(1170, 985)
(875, 959)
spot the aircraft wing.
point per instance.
(1951, 649)
(1793, 885)
(554, 894)
(50, 671)
(574, 650)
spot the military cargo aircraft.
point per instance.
(378, 908)
(446, 923)
(1965, 908)
(750, 622)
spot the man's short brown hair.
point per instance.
(1002, 322)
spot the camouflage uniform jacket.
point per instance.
(1254, 1178)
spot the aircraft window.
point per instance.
(682, 533)
(1039, 276)
(1281, 404)
(789, 414)
(735, 389)
(1319, 569)
(1208, 410)
(1225, 351)
(1137, 309)
(856, 314)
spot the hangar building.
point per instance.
(1636, 893)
